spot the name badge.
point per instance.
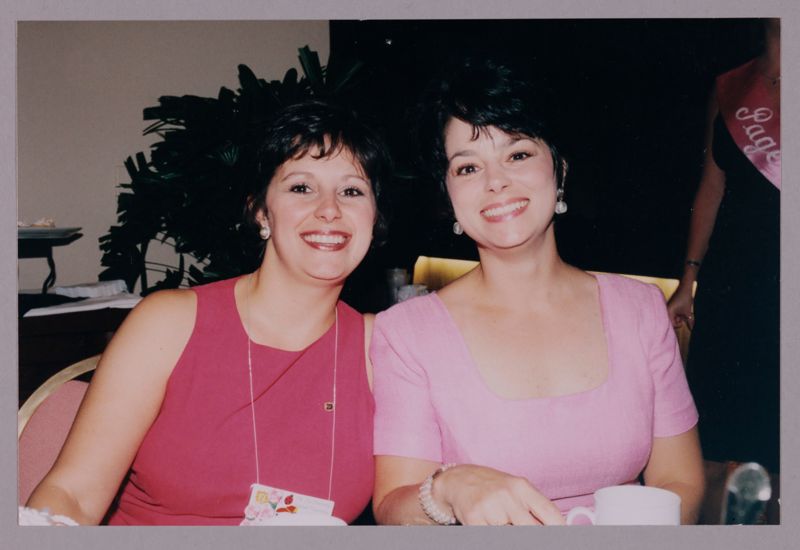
(268, 502)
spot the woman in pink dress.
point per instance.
(515, 392)
(247, 399)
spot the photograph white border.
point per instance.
(783, 536)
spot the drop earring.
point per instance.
(457, 229)
(264, 232)
(561, 206)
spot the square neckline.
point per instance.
(476, 373)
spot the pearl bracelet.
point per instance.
(427, 503)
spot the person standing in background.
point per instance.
(733, 253)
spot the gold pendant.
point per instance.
(328, 406)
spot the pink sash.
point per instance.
(753, 117)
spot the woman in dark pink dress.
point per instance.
(247, 400)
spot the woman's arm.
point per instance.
(704, 214)
(395, 499)
(675, 461)
(676, 464)
(475, 495)
(121, 404)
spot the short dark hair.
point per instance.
(482, 93)
(329, 128)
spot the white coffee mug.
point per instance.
(631, 505)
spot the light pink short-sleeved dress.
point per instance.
(433, 404)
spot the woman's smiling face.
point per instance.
(502, 186)
(321, 212)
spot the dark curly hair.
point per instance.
(482, 94)
(328, 128)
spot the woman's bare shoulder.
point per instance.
(458, 291)
(157, 329)
(166, 307)
(171, 299)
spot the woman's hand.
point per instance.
(484, 496)
(476, 495)
(680, 305)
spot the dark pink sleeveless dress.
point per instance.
(197, 462)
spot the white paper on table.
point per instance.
(120, 301)
(93, 290)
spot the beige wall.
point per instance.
(82, 87)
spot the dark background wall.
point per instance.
(632, 96)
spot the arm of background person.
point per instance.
(121, 404)
(704, 214)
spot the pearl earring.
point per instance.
(264, 232)
(457, 229)
(561, 206)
